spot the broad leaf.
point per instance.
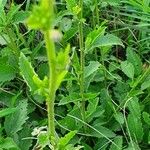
(146, 83)
(133, 58)
(91, 68)
(102, 132)
(7, 72)
(119, 117)
(135, 127)
(134, 107)
(108, 40)
(98, 39)
(14, 122)
(128, 69)
(118, 140)
(146, 117)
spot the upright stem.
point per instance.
(52, 85)
(82, 59)
(96, 12)
(51, 54)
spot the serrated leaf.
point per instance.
(103, 132)
(66, 139)
(14, 122)
(133, 58)
(119, 117)
(91, 68)
(62, 65)
(7, 72)
(27, 72)
(7, 111)
(25, 133)
(128, 69)
(146, 117)
(135, 127)
(134, 107)
(118, 140)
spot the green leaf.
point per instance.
(135, 127)
(24, 144)
(43, 139)
(7, 111)
(20, 17)
(146, 117)
(128, 69)
(14, 9)
(27, 72)
(108, 40)
(66, 139)
(97, 39)
(92, 106)
(8, 144)
(7, 72)
(4, 39)
(70, 33)
(91, 68)
(93, 37)
(71, 4)
(103, 132)
(62, 65)
(146, 83)
(14, 122)
(134, 107)
(133, 58)
(75, 97)
(118, 140)
(119, 117)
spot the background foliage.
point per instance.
(116, 76)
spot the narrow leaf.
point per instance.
(7, 111)
(27, 72)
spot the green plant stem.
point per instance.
(104, 71)
(52, 85)
(82, 60)
(97, 12)
(51, 54)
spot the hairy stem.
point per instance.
(51, 54)
(52, 85)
